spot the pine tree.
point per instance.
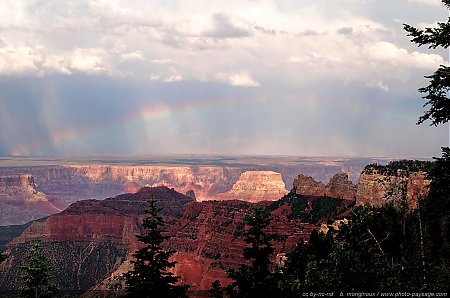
(256, 279)
(216, 290)
(437, 91)
(435, 234)
(36, 281)
(150, 276)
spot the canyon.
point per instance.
(401, 188)
(90, 243)
(21, 201)
(58, 183)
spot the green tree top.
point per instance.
(216, 290)
(36, 281)
(437, 92)
(255, 280)
(150, 276)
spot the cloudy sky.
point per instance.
(300, 77)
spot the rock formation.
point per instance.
(21, 201)
(91, 242)
(72, 181)
(338, 187)
(400, 188)
(256, 186)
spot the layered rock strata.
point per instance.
(21, 201)
(256, 186)
(92, 242)
(339, 186)
(402, 190)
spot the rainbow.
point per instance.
(144, 115)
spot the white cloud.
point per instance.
(242, 79)
(136, 55)
(173, 78)
(19, 60)
(225, 27)
(378, 85)
(388, 52)
(427, 2)
(162, 61)
(295, 59)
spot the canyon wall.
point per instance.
(402, 189)
(256, 186)
(91, 243)
(21, 201)
(339, 186)
(73, 181)
(62, 185)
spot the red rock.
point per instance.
(402, 190)
(338, 187)
(206, 235)
(21, 201)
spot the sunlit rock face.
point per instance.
(76, 182)
(21, 201)
(73, 181)
(402, 190)
(91, 243)
(256, 186)
(338, 187)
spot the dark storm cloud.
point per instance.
(246, 77)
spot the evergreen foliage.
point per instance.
(36, 281)
(435, 212)
(216, 290)
(374, 252)
(391, 169)
(2, 257)
(437, 92)
(150, 276)
(255, 278)
(321, 207)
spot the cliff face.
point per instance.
(256, 186)
(21, 201)
(339, 186)
(90, 239)
(402, 190)
(92, 242)
(73, 181)
(76, 182)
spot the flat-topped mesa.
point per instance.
(338, 187)
(256, 186)
(18, 180)
(112, 218)
(101, 234)
(21, 201)
(400, 183)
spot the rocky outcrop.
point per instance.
(92, 242)
(400, 188)
(76, 182)
(21, 201)
(207, 176)
(339, 186)
(91, 239)
(256, 186)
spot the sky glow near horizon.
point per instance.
(208, 77)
